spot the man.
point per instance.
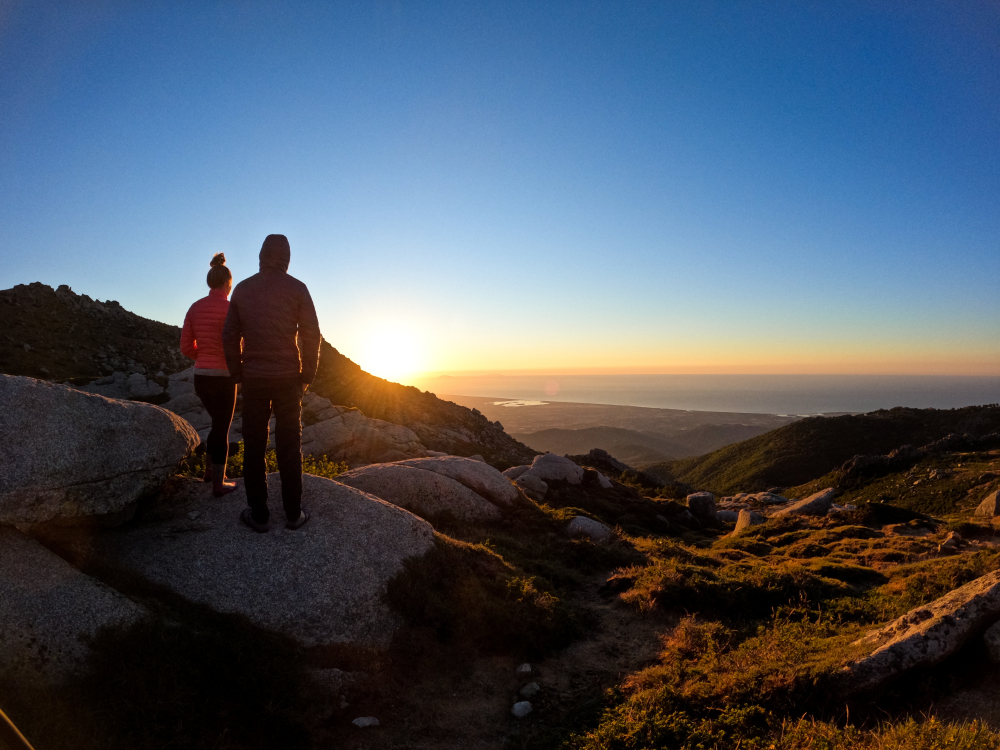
(273, 316)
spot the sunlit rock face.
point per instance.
(321, 584)
(49, 611)
(926, 635)
(69, 454)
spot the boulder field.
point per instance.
(69, 454)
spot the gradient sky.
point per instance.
(641, 187)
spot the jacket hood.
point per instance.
(275, 253)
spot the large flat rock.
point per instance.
(67, 453)
(48, 609)
(425, 492)
(926, 635)
(321, 584)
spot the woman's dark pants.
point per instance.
(218, 395)
(283, 396)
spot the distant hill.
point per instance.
(56, 334)
(638, 448)
(805, 450)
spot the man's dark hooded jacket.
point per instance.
(273, 314)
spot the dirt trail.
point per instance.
(468, 705)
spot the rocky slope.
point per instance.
(60, 335)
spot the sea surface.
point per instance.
(760, 394)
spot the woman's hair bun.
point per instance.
(219, 259)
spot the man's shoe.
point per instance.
(246, 517)
(298, 522)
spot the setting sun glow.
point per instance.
(391, 353)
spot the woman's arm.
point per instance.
(189, 345)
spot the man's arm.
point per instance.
(232, 342)
(309, 338)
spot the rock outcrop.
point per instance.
(746, 519)
(990, 506)
(926, 635)
(479, 477)
(817, 504)
(533, 480)
(588, 527)
(702, 506)
(424, 492)
(321, 584)
(49, 610)
(69, 454)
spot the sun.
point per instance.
(392, 353)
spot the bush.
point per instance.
(320, 466)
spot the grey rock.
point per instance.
(424, 492)
(363, 722)
(345, 434)
(552, 468)
(532, 486)
(322, 584)
(926, 635)
(521, 709)
(523, 670)
(69, 454)
(49, 611)
(992, 640)
(990, 507)
(529, 691)
(816, 504)
(478, 476)
(588, 527)
(515, 471)
(702, 505)
(746, 519)
(727, 516)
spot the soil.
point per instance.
(467, 704)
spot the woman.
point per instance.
(201, 340)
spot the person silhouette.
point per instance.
(201, 340)
(271, 339)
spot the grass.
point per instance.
(320, 466)
(802, 451)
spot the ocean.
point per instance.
(759, 394)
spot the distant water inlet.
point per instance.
(761, 394)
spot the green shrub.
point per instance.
(320, 466)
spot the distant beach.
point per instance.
(758, 394)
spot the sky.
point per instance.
(585, 187)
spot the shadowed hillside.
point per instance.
(802, 451)
(639, 448)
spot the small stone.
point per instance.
(529, 690)
(523, 670)
(193, 514)
(27, 348)
(521, 709)
(366, 721)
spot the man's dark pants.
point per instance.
(284, 397)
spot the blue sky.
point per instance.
(582, 186)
